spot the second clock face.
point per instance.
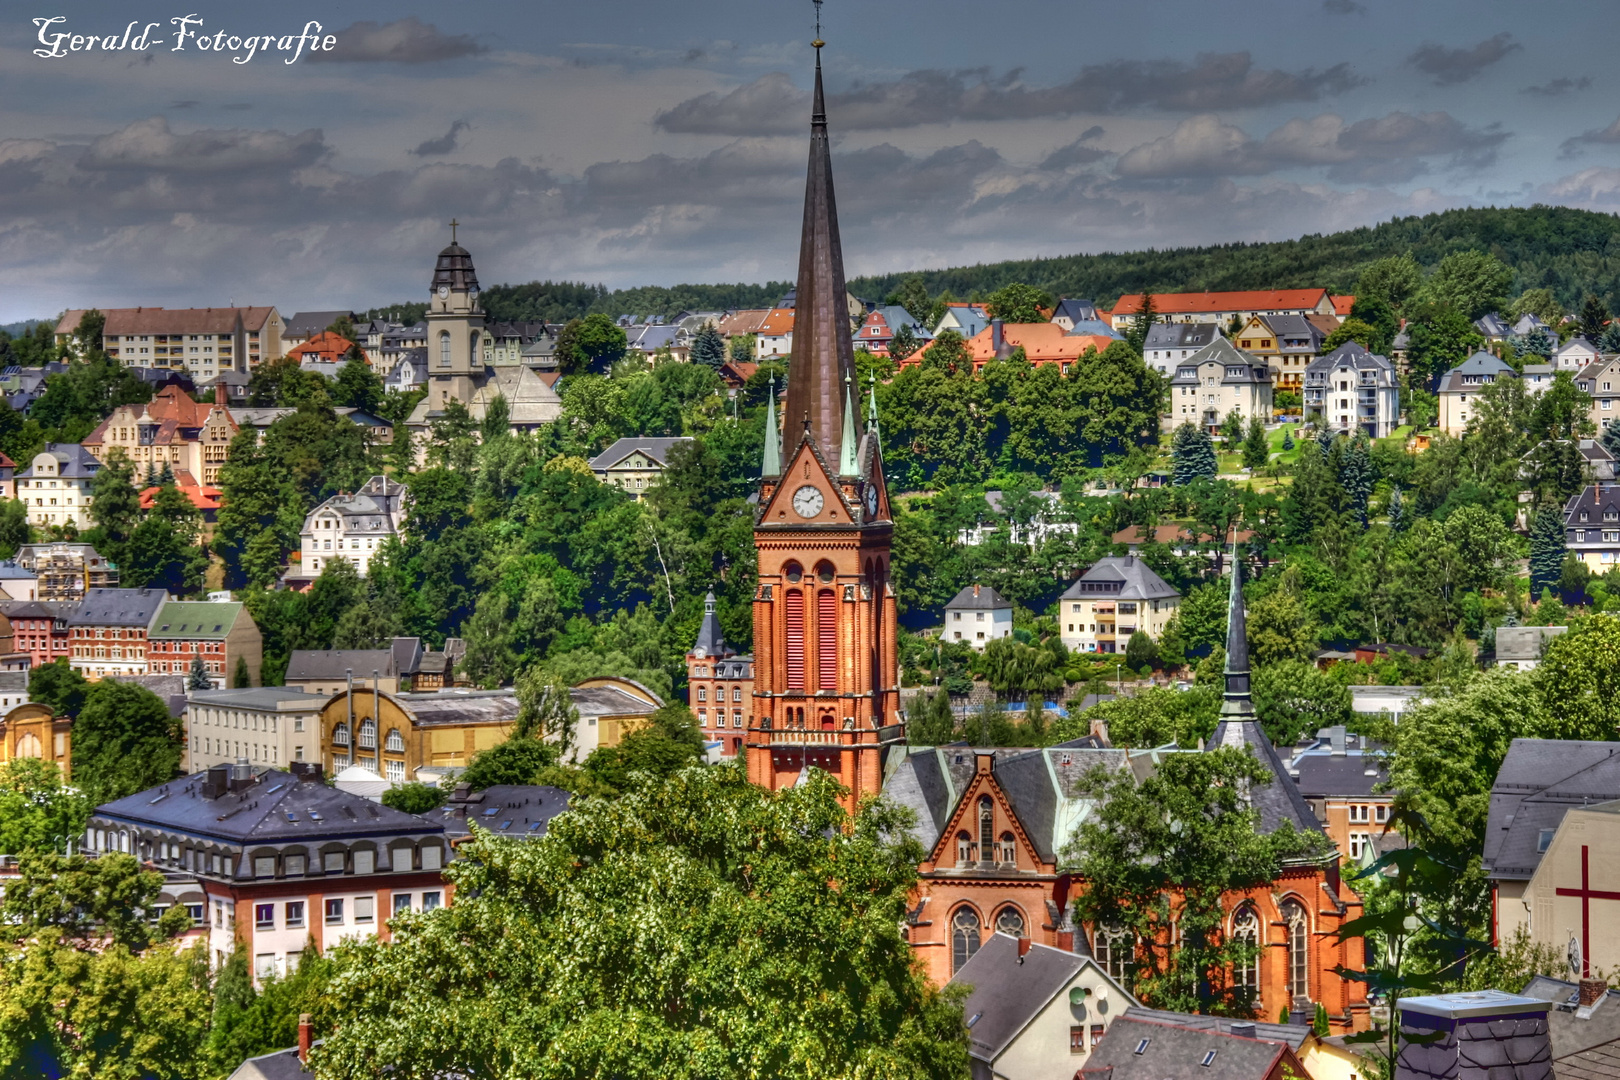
(807, 501)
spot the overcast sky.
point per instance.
(639, 142)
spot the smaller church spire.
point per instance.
(772, 464)
(847, 463)
(871, 405)
(1235, 701)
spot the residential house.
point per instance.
(332, 671)
(969, 320)
(1287, 343)
(1352, 389)
(348, 527)
(1141, 1046)
(1034, 1011)
(649, 341)
(1494, 327)
(399, 343)
(1342, 306)
(1041, 523)
(30, 730)
(1574, 354)
(880, 326)
(8, 478)
(1069, 312)
(272, 862)
(1599, 460)
(1323, 1058)
(1538, 378)
(1556, 797)
(409, 372)
(978, 615)
(719, 685)
(40, 628)
(199, 341)
(635, 464)
(220, 633)
(17, 582)
(1043, 344)
(1460, 389)
(1216, 381)
(743, 324)
(1182, 543)
(775, 334)
(412, 736)
(173, 432)
(1223, 307)
(65, 570)
(56, 486)
(505, 343)
(1112, 600)
(1600, 380)
(1521, 647)
(1592, 526)
(268, 726)
(324, 354)
(1530, 323)
(304, 326)
(1340, 775)
(108, 632)
(1167, 344)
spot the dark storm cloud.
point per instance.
(1607, 136)
(1447, 66)
(1559, 87)
(444, 144)
(404, 41)
(772, 105)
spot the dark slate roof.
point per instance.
(1322, 774)
(1076, 310)
(1120, 577)
(278, 808)
(710, 641)
(407, 653)
(72, 460)
(279, 1065)
(1294, 328)
(517, 810)
(313, 322)
(455, 269)
(1480, 366)
(118, 607)
(1006, 994)
(1351, 354)
(1292, 1034)
(657, 449)
(979, 598)
(308, 664)
(1180, 335)
(1174, 1052)
(1238, 366)
(1541, 779)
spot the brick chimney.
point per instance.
(975, 588)
(1023, 948)
(1592, 990)
(303, 1036)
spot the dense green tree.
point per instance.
(1154, 717)
(124, 741)
(414, 798)
(164, 550)
(597, 342)
(358, 385)
(1192, 455)
(1594, 317)
(518, 760)
(1281, 627)
(1295, 698)
(708, 347)
(1380, 315)
(281, 382)
(115, 505)
(1136, 334)
(1440, 339)
(904, 342)
(1538, 302)
(58, 686)
(1019, 303)
(670, 742)
(786, 912)
(1473, 282)
(38, 812)
(248, 1022)
(241, 678)
(1394, 280)
(1140, 651)
(1256, 449)
(1546, 550)
(1579, 680)
(1352, 329)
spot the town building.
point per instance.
(40, 628)
(56, 486)
(719, 685)
(304, 326)
(1183, 543)
(266, 726)
(324, 354)
(966, 319)
(201, 342)
(66, 571)
(330, 671)
(1522, 647)
(1043, 344)
(416, 736)
(1600, 380)
(1067, 313)
(1574, 355)
(1493, 327)
(1556, 799)
(1143, 1045)
(1351, 389)
(774, 338)
(398, 344)
(635, 464)
(877, 330)
(508, 344)
(1583, 1025)
(1034, 1012)
(1045, 520)
(1286, 343)
(1167, 344)
(826, 680)
(1460, 389)
(1538, 378)
(521, 811)
(348, 527)
(978, 615)
(277, 861)
(1115, 598)
(172, 433)
(1215, 382)
(745, 324)
(1592, 526)
(1223, 307)
(1341, 775)
(29, 730)
(16, 582)
(220, 633)
(108, 631)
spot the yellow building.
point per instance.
(398, 736)
(30, 731)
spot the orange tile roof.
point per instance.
(1195, 302)
(1342, 305)
(743, 322)
(325, 346)
(202, 496)
(1043, 343)
(778, 322)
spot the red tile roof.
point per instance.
(324, 346)
(1170, 535)
(1342, 305)
(204, 497)
(1043, 343)
(1196, 302)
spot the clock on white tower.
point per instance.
(807, 501)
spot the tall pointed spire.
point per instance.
(823, 352)
(871, 405)
(772, 463)
(847, 463)
(1236, 702)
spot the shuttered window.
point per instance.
(826, 640)
(795, 639)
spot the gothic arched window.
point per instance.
(987, 829)
(340, 735)
(1010, 921)
(1246, 932)
(368, 735)
(964, 937)
(1298, 930)
(396, 741)
(1115, 951)
(964, 848)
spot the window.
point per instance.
(402, 902)
(364, 908)
(1077, 1039)
(987, 820)
(340, 735)
(964, 849)
(365, 861)
(1359, 813)
(431, 901)
(396, 772)
(264, 866)
(1209, 1059)
(332, 862)
(1544, 840)
(964, 937)
(1381, 812)
(264, 916)
(368, 735)
(294, 865)
(444, 348)
(431, 857)
(334, 912)
(196, 913)
(1141, 1046)
(1011, 922)
(295, 914)
(1115, 951)
(1246, 932)
(1294, 919)
(1009, 849)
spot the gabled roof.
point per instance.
(656, 449)
(1075, 311)
(328, 664)
(1194, 303)
(1233, 359)
(73, 462)
(742, 322)
(310, 323)
(1342, 306)
(118, 607)
(1294, 1035)
(196, 620)
(1352, 354)
(1541, 780)
(1124, 577)
(1008, 990)
(1136, 1048)
(979, 598)
(1196, 335)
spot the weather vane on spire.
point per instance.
(818, 43)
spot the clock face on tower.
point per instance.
(871, 499)
(444, 291)
(807, 501)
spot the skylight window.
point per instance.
(1209, 1058)
(1141, 1047)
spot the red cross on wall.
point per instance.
(1587, 895)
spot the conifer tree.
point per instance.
(1256, 450)
(1356, 475)
(1324, 439)
(1610, 438)
(1397, 510)
(1546, 550)
(709, 348)
(1288, 439)
(1192, 455)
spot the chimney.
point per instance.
(1466, 1028)
(216, 782)
(303, 1037)
(1023, 948)
(1242, 1029)
(998, 342)
(1591, 991)
(975, 588)
(1065, 940)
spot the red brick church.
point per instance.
(993, 821)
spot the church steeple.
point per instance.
(847, 463)
(1235, 701)
(823, 353)
(772, 464)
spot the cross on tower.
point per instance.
(453, 224)
(1587, 895)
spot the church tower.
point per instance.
(826, 680)
(454, 322)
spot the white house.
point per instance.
(977, 616)
(1574, 354)
(351, 527)
(56, 486)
